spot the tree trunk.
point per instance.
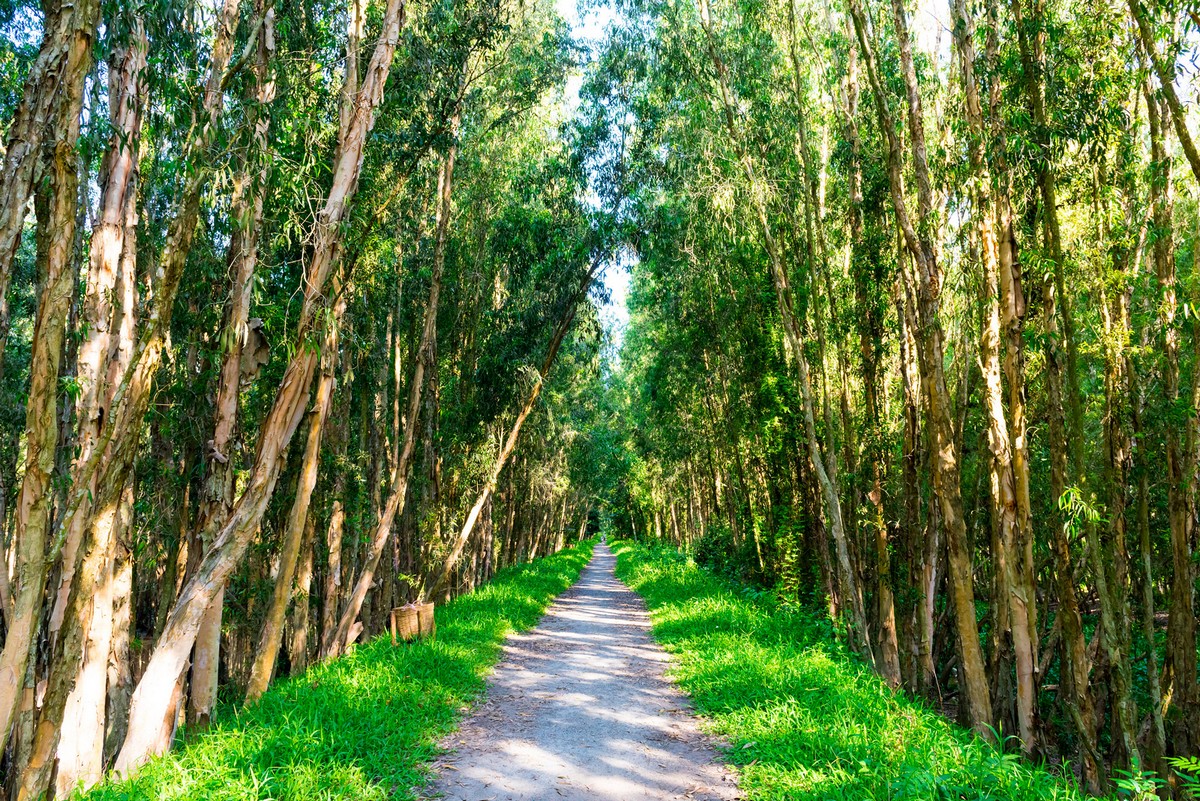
(925, 288)
(120, 667)
(1031, 42)
(67, 56)
(37, 119)
(996, 256)
(118, 203)
(109, 309)
(217, 493)
(923, 562)
(826, 475)
(333, 574)
(298, 647)
(1180, 664)
(442, 575)
(424, 361)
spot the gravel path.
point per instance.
(579, 708)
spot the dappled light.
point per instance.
(579, 708)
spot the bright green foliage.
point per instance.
(804, 718)
(365, 726)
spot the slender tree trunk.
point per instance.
(217, 493)
(333, 574)
(332, 591)
(1180, 665)
(923, 562)
(1149, 627)
(118, 198)
(424, 361)
(826, 475)
(442, 575)
(67, 56)
(37, 120)
(1080, 705)
(271, 637)
(298, 646)
(925, 287)
(109, 310)
(120, 668)
(869, 324)
(996, 256)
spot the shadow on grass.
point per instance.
(364, 726)
(805, 719)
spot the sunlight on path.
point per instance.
(579, 708)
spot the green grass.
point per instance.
(365, 726)
(804, 719)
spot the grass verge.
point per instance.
(365, 726)
(805, 719)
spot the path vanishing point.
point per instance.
(579, 708)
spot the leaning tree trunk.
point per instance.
(179, 634)
(217, 489)
(441, 576)
(37, 120)
(108, 311)
(298, 646)
(424, 361)
(297, 522)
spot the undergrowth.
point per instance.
(362, 727)
(804, 719)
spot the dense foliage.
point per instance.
(284, 286)
(299, 323)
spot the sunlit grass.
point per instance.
(363, 727)
(804, 719)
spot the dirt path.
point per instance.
(579, 708)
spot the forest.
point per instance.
(303, 318)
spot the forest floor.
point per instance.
(580, 708)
